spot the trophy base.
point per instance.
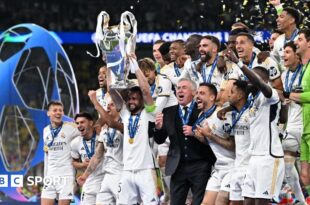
(121, 85)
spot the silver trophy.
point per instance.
(116, 42)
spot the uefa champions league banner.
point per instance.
(34, 69)
(116, 42)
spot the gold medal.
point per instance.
(131, 140)
(45, 148)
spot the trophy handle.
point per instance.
(129, 21)
(102, 24)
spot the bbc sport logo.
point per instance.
(18, 180)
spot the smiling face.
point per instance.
(244, 47)
(156, 54)
(55, 113)
(185, 92)
(85, 126)
(290, 57)
(204, 97)
(207, 49)
(134, 102)
(102, 77)
(284, 21)
(302, 45)
(176, 50)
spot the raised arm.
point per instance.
(250, 74)
(103, 114)
(144, 85)
(117, 99)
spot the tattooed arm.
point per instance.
(95, 160)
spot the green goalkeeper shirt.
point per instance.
(305, 98)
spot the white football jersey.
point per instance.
(163, 94)
(270, 64)
(113, 156)
(224, 158)
(78, 151)
(263, 115)
(278, 48)
(102, 98)
(294, 121)
(241, 132)
(137, 155)
(58, 157)
(191, 73)
(170, 71)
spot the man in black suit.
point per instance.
(189, 161)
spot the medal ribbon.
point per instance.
(152, 87)
(211, 72)
(292, 37)
(133, 126)
(110, 140)
(92, 146)
(251, 99)
(236, 119)
(54, 133)
(111, 136)
(103, 93)
(176, 70)
(185, 119)
(203, 116)
(289, 83)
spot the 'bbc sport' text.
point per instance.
(18, 180)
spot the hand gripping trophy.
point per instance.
(116, 42)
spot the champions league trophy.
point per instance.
(116, 42)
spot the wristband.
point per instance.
(150, 108)
(240, 64)
(279, 9)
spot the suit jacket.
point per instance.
(172, 127)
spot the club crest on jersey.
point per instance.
(226, 127)
(63, 135)
(253, 111)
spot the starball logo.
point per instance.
(19, 180)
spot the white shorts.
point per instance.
(219, 181)
(164, 148)
(264, 177)
(236, 184)
(138, 185)
(291, 140)
(109, 189)
(91, 189)
(88, 199)
(58, 188)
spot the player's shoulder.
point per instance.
(69, 124)
(278, 42)
(166, 68)
(76, 141)
(162, 77)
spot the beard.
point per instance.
(134, 109)
(207, 57)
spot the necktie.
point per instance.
(185, 108)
